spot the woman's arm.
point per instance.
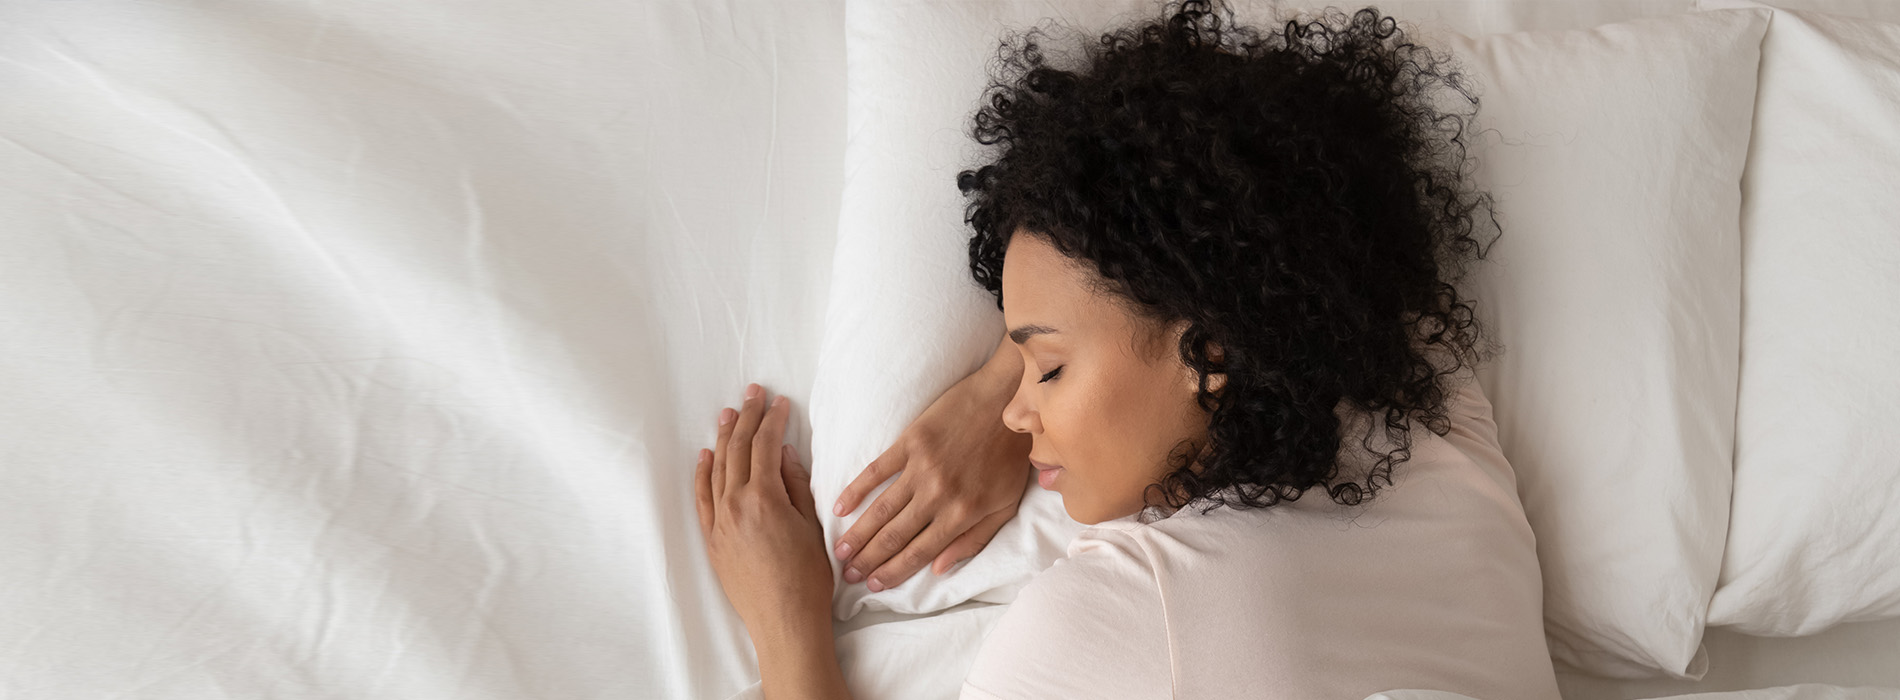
(960, 476)
(799, 661)
(768, 548)
(1001, 373)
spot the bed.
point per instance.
(359, 349)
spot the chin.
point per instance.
(1078, 517)
(1084, 514)
(1075, 513)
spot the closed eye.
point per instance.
(1051, 375)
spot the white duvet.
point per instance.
(355, 349)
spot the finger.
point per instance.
(739, 445)
(880, 470)
(972, 541)
(890, 540)
(886, 506)
(702, 492)
(917, 555)
(727, 417)
(798, 484)
(768, 446)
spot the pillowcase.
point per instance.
(906, 321)
(1814, 539)
(1615, 155)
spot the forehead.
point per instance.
(1038, 279)
(1043, 287)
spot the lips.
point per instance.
(1046, 474)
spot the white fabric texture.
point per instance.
(1805, 691)
(1433, 583)
(1615, 156)
(355, 349)
(884, 660)
(1815, 535)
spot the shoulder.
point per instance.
(1092, 625)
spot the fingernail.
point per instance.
(725, 416)
(875, 585)
(844, 551)
(752, 391)
(791, 453)
(780, 400)
(838, 509)
(852, 576)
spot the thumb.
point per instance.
(798, 483)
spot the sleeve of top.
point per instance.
(1092, 625)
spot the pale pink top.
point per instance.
(1432, 585)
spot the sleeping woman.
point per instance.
(1225, 259)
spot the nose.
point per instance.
(1019, 415)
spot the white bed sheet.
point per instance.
(357, 349)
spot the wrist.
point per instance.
(792, 629)
(997, 378)
(798, 661)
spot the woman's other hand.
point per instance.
(761, 527)
(960, 476)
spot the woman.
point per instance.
(1226, 259)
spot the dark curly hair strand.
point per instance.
(1299, 200)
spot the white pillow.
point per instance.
(1618, 385)
(906, 320)
(1616, 163)
(1815, 535)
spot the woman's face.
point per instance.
(1103, 393)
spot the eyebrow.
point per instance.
(1022, 334)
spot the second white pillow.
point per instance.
(1615, 155)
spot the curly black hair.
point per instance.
(1298, 199)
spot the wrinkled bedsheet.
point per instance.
(356, 349)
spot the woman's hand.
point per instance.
(760, 526)
(762, 534)
(960, 476)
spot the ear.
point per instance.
(1216, 380)
(1189, 377)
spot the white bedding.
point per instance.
(355, 349)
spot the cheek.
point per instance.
(1106, 434)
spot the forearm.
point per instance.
(998, 376)
(800, 662)
(994, 385)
